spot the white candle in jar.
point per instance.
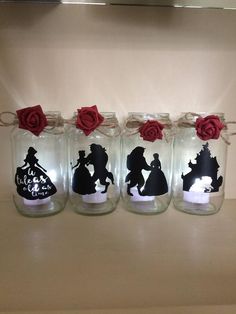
(94, 198)
(197, 193)
(139, 198)
(36, 202)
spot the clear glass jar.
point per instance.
(40, 169)
(146, 167)
(94, 169)
(199, 168)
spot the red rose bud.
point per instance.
(209, 127)
(88, 119)
(151, 130)
(32, 119)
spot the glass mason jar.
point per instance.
(94, 168)
(146, 166)
(40, 169)
(199, 164)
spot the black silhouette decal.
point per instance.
(156, 183)
(136, 163)
(83, 183)
(31, 180)
(205, 167)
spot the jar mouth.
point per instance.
(151, 115)
(145, 113)
(53, 111)
(108, 114)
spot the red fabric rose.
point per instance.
(209, 127)
(88, 119)
(32, 119)
(151, 130)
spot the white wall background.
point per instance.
(119, 58)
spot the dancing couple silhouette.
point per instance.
(155, 184)
(83, 182)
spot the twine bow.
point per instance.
(187, 121)
(13, 120)
(8, 118)
(52, 121)
(134, 123)
(107, 124)
(110, 123)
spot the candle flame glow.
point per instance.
(202, 185)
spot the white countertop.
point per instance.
(118, 263)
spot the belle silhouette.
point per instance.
(136, 163)
(156, 183)
(99, 158)
(31, 180)
(82, 182)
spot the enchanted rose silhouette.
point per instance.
(31, 180)
(155, 184)
(82, 182)
(204, 171)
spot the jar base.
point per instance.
(195, 208)
(42, 210)
(151, 207)
(94, 209)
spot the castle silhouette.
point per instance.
(205, 166)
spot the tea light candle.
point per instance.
(196, 193)
(34, 188)
(36, 202)
(139, 198)
(94, 198)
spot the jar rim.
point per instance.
(148, 113)
(111, 113)
(192, 116)
(203, 113)
(144, 116)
